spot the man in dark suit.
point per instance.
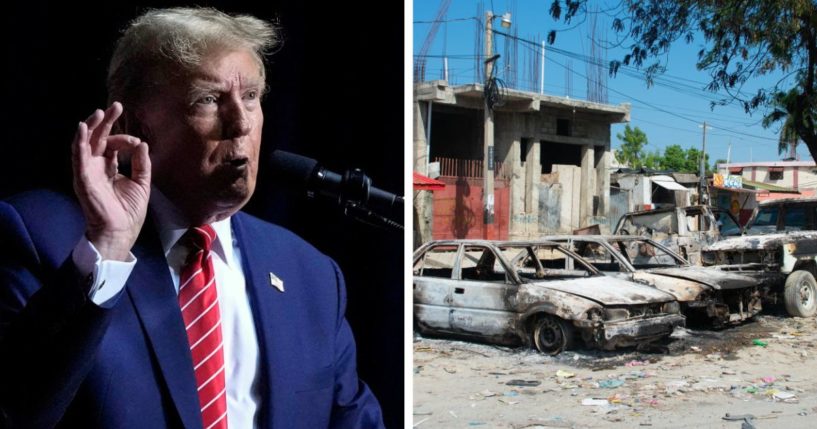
(150, 300)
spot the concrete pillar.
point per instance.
(588, 176)
(603, 181)
(420, 149)
(533, 174)
(569, 178)
(517, 227)
(423, 217)
(423, 209)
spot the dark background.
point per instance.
(336, 95)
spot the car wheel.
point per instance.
(552, 335)
(800, 294)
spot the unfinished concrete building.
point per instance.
(552, 157)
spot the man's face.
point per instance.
(204, 134)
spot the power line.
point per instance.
(679, 84)
(572, 55)
(670, 81)
(472, 18)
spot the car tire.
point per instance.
(800, 294)
(552, 335)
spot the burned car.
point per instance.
(546, 297)
(685, 230)
(709, 294)
(780, 249)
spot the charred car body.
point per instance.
(780, 249)
(706, 293)
(684, 230)
(543, 298)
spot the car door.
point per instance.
(699, 226)
(482, 301)
(433, 282)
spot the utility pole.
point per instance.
(488, 139)
(703, 190)
(542, 74)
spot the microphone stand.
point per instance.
(353, 195)
(360, 213)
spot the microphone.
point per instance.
(352, 190)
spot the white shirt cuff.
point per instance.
(108, 277)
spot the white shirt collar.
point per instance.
(171, 226)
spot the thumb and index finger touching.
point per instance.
(93, 139)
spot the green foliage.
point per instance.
(788, 138)
(652, 160)
(631, 152)
(675, 158)
(742, 40)
(682, 161)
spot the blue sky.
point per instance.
(655, 110)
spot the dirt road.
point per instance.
(691, 381)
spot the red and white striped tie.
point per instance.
(198, 299)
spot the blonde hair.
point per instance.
(165, 43)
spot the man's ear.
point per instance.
(131, 123)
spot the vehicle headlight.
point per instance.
(616, 314)
(708, 258)
(595, 314)
(671, 307)
(704, 296)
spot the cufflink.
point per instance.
(276, 282)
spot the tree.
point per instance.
(652, 160)
(742, 40)
(683, 161)
(631, 152)
(675, 159)
(788, 134)
(788, 139)
(693, 161)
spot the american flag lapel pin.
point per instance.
(276, 282)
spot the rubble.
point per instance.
(705, 371)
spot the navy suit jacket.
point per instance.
(67, 362)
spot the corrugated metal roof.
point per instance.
(424, 183)
(769, 187)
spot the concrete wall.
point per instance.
(586, 190)
(570, 178)
(541, 125)
(639, 194)
(423, 200)
(528, 131)
(797, 174)
(550, 204)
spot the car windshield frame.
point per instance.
(569, 254)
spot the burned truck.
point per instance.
(780, 250)
(706, 294)
(548, 297)
(684, 230)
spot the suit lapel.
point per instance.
(270, 310)
(154, 297)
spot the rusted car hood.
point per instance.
(607, 290)
(714, 278)
(758, 242)
(683, 290)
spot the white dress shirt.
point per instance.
(241, 354)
